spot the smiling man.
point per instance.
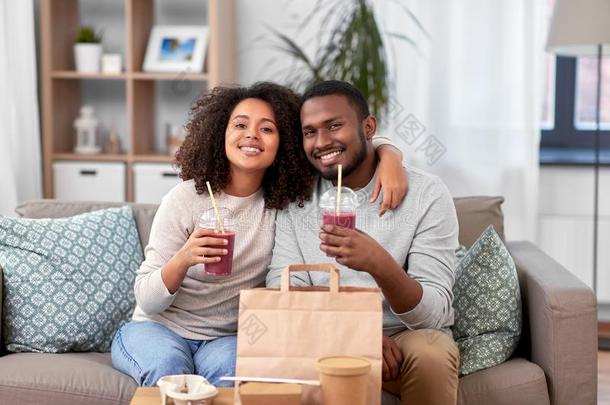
(408, 253)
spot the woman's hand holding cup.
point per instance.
(203, 248)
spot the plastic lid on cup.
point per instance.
(349, 199)
(208, 220)
(344, 365)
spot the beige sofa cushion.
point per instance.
(143, 213)
(516, 381)
(67, 378)
(475, 214)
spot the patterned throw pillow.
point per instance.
(68, 281)
(487, 304)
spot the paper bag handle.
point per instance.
(325, 267)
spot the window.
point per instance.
(548, 94)
(586, 93)
(574, 105)
(569, 106)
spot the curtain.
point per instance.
(467, 97)
(20, 162)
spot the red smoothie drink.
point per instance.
(344, 219)
(224, 266)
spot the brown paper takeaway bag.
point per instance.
(282, 333)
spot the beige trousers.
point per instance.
(429, 372)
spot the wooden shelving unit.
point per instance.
(65, 74)
(92, 158)
(152, 158)
(61, 84)
(169, 76)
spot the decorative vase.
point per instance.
(87, 57)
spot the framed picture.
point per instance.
(176, 48)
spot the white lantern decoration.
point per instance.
(86, 126)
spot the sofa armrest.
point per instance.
(562, 315)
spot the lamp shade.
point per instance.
(578, 26)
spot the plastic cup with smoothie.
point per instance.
(207, 220)
(346, 217)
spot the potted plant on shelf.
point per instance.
(88, 50)
(352, 48)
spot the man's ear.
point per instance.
(370, 127)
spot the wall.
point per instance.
(565, 230)
(258, 58)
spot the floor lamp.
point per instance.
(582, 28)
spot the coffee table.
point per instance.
(151, 396)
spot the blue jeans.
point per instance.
(148, 351)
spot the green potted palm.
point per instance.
(88, 50)
(353, 48)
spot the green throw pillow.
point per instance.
(487, 304)
(68, 282)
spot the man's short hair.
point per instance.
(332, 87)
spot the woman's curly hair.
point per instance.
(202, 156)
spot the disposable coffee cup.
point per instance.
(344, 379)
(208, 220)
(346, 217)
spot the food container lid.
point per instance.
(258, 388)
(344, 365)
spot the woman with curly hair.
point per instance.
(247, 142)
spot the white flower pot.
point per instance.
(88, 57)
